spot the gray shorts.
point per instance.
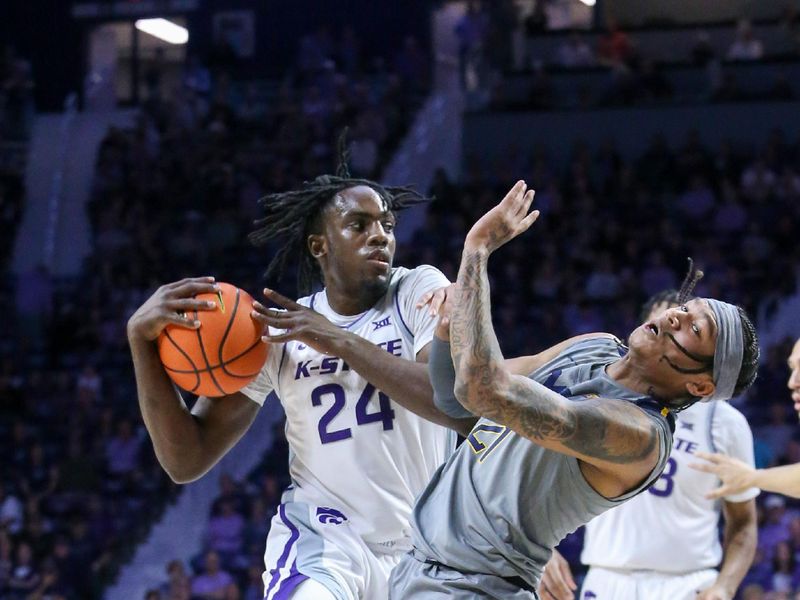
(414, 578)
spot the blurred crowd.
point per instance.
(16, 95)
(498, 41)
(16, 111)
(174, 195)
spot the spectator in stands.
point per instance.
(471, 30)
(6, 558)
(225, 533)
(775, 528)
(697, 202)
(745, 46)
(257, 526)
(122, 450)
(16, 85)
(25, 577)
(254, 586)
(178, 584)
(785, 574)
(214, 583)
(758, 180)
(52, 585)
(39, 479)
(11, 512)
(89, 386)
(702, 51)
(536, 21)
(575, 52)
(615, 46)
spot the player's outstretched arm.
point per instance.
(405, 382)
(739, 547)
(187, 443)
(737, 476)
(618, 442)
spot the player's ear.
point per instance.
(317, 245)
(700, 388)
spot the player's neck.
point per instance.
(625, 372)
(348, 303)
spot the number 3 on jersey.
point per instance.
(384, 414)
(664, 484)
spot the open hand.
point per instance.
(557, 582)
(298, 323)
(736, 475)
(504, 222)
(438, 302)
(171, 304)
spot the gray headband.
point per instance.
(729, 350)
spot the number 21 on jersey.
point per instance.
(484, 438)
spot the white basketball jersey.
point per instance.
(352, 448)
(672, 527)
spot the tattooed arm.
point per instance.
(617, 442)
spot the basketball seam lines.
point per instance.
(227, 362)
(205, 358)
(221, 346)
(189, 358)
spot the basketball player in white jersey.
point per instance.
(346, 365)
(663, 544)
(736, 475)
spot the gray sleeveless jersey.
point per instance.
(501, 503)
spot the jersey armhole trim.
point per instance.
(710, 426)
(280, 364)
(399, 312)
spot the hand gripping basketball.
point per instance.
(207, 341)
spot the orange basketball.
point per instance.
(221, 356)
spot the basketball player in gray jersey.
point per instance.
(588, 428)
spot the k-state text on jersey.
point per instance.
(333, 364)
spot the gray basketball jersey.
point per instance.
(501, 503)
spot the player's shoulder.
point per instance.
(727, 415)
(409, 284)
(308, 300)
(589, 344)
(418, 274)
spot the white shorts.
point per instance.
(315, 542)
(608, 584)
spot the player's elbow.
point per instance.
(184, 476)
(182, 472)
(481, 389)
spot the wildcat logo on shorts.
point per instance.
(588, 595)
(330, 515)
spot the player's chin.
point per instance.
(377, 282)
(638, 338)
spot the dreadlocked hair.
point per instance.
(750, 356)
(752, 352)
(674, 297)
(292, 216)
(689, 282)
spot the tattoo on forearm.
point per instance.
(590, 427)
(604, 429)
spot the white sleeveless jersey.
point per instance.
(672, 528)
(352, 448)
